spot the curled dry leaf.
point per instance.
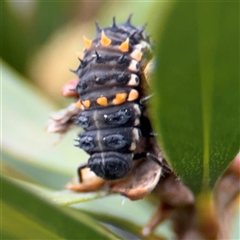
(90, 182)
(144, 176)
(140, 182)
(63, 120)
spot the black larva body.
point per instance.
(111, 84)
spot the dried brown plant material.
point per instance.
(90, 183)
(63, 120)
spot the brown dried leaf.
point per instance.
(142, 180)
(63, 120)
(90, 183)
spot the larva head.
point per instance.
(110, 166)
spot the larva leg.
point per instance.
(79, 171)
(152, 157)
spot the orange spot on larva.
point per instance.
(119, 98)
(105, 41)
(124, 46)
(133, 95)
(86, 103)
(102, 101)
(87, 42)
(78, 104)
(137, 55)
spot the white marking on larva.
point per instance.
(132, 146)
(136, 122)
(99, 140)
(142, 45)
(133, 66)
(135, 134)
(123, 201)
(139, 46)
(103, 160)
(136, 55)
(134, 80)
(95, 115)
(137, 109)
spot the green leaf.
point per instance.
(196, 103)
(25, 113)
(62, 197)
(15, 223)
(32, 215)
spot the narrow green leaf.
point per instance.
(14, 225)
(62, 197)
(35, 213)
(196, 105)
(17, 167)
(25, 112)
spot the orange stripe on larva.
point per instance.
(124, 46)
(102, 101)
(137, 55)
(87, 42)
(133, 95)
(119, 98)
(105, 41)
(78, 104)
(86, 103)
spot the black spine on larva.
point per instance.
(110, 87)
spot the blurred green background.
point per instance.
(39, 40)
